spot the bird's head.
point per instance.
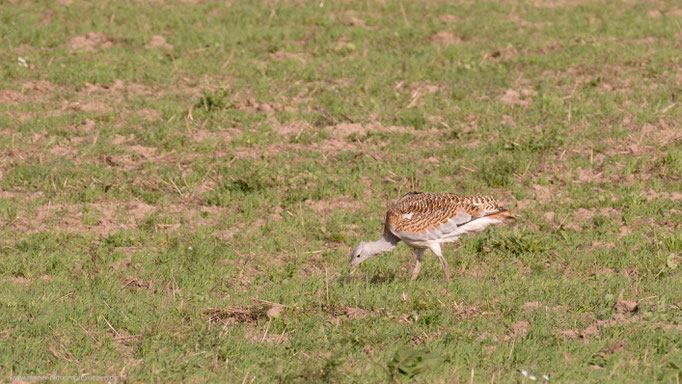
(361, 253)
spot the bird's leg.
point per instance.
(435, 248)
(418, 266)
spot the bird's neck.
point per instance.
(385, 244)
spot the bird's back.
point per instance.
(422, 217)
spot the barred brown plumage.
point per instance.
(425, 220)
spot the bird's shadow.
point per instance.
(376, 278)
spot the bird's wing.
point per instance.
(434, 216)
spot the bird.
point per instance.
(424, 220)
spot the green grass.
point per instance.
(156, 200)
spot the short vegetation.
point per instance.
(181, 183)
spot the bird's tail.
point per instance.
(503, 214)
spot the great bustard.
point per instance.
(425, 220)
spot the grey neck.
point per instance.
(385, 244)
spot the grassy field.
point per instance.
(181, 184)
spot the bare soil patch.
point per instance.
(149, 114)
(71, 218)
(95, 107)
(38, 86)
(353, 21)
(519, 329)
(90, 42)
(142, 151)
(117, 89)
(593, 331)
(243, 314)
(11, 97)
(448, 18)
(338, 141)
(158, 41)
(522, 97)
(446, 38)
(505, 53)
(358, 313)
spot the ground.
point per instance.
(181, 184)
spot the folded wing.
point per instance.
(424, 217)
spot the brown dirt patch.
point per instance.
(243, 314)
(525, 23)
(125, 263)
(343, 43)
(543, 193)
(448, 18)
(358, 313)
(61, 150)
(353, 21)
(653, 195)
(143, 151)
(159, 42)
(11, 97)
(38, 85)
(593, 331)
(346, 129)
(626, 306)
(120, 139)
(90, 42)
(233, 315)
(520, 328)
(445, 38)
(549, 216)
(522, 97)
(553, 4)
(47, 19)
(19, 280)
(116, 90)
(292, 129)
(338, 140)
(505, 53)
(71, 217)
(466, 311)
(27, 196)
(654, 14)
(149, 114)
(95, 107)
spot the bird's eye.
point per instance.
(357, 256)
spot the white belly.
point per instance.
(445, 233)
